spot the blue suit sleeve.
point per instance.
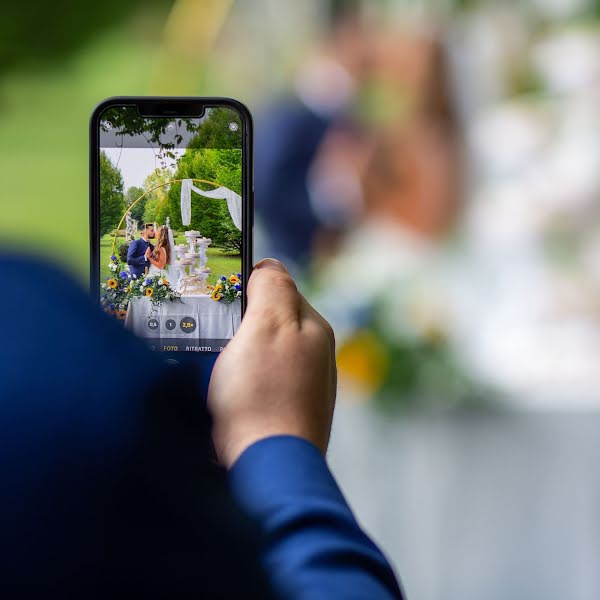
(134, 260)
(313, 547)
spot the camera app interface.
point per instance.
(170, 222)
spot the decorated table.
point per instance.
(192, 323)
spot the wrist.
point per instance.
(235, 444)
(271, 442)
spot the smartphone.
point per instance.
(171, 215)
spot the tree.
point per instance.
(211, 131)
(213, 154)
(209, 216)
(126, 121)
(156, 206)
(112, 201)
(214, 131)
(132, 194)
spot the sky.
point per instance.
(135, 164)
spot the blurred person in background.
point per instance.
(414, 172)
(291, 129)
(409, 182)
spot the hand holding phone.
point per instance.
(278, 375)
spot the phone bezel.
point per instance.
(177, 103)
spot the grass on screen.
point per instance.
(220, 261)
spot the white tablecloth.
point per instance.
(192, 323)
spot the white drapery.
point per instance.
(234, 201)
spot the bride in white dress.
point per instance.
(163, 257)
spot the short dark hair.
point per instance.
(146, 225)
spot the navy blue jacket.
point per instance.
(135, 256)
(108, 486)
(287, 138)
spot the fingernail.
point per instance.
(271, 263)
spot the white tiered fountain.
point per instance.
(192, 258)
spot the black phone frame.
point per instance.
(173, 106)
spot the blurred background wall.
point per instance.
(430, 170)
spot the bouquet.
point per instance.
(227, 289)
(121, 286)
(116, 290)
(154, 287)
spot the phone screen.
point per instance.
(169, 225)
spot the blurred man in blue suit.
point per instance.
(109, 483)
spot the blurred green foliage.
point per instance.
(35, 34)
(45, 108)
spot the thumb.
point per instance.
(272, 292)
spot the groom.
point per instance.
(136, 253)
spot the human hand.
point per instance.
(148, 253)
(277, 376)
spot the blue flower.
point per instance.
(112, 306)
(123, 274)
(239, 275)
(148, 281)
(223, 278)
(113, 257)
(238, 286)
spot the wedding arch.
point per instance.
(221, 192)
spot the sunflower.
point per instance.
(121, 314)
(233, 279)
(112, 283)
(149, 292)
(165, 282)
(216, 295)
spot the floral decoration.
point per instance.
(227, 289)
(119, 289)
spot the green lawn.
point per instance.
(219, 261)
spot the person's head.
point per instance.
(163, 240)
(413, 178)
(148, 231)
